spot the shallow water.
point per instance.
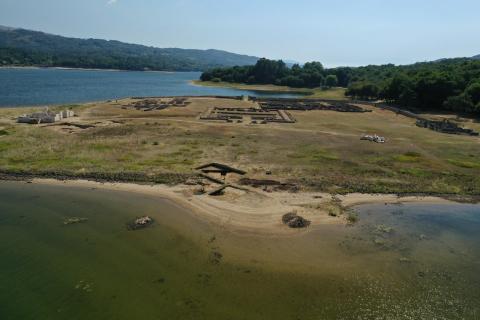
(22, 87)
(398, 262)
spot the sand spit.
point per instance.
(253, 211)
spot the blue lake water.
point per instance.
(410, 261)
(24, 87)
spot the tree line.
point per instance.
(20, 57)
(450, 84)
(310, 75)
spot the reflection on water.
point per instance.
(398, 262)
(20, 87)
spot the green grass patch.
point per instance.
(352, 217)
(330, 94)
(409, 157)
(317, 93)
(3, 133)
(465, 164)
(312, 155)
(416, 172)
(4, 145)
(101, 147)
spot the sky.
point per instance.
(336, 33)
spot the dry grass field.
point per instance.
(321, 152)
(319, 93)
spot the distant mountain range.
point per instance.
(20, 47)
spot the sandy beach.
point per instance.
(252, 211)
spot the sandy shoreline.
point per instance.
(253, 211)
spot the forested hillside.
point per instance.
(19, 47)
(451, 84)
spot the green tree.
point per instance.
(473, 92)
(313, 67)
(460, 103)
(452, 84)
(433, 89)
(399, 90)
(331, 81)
(363, 90)
(267, 71)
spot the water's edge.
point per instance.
(53, 86)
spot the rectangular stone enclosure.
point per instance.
(247, 115)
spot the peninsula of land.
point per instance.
(246, 162)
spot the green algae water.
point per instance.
(397, 262)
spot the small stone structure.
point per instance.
(67, 114)
(269, 185)
(373, 138)
(444, 126)
(45, 117)
(221, 171)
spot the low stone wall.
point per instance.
(133, 177)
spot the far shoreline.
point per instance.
(313, 93)
(252, 87)
(89, 69)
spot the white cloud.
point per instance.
(110, 2)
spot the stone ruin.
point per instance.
(249, 115)
(445, 126)
(46, 116)
(269, 185)
(308, 105)
(276, 110)
(145, 104)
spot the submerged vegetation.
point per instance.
(185, 268)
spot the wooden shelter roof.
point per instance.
(220, 168)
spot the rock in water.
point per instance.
(75, 220)
(289, 217)
(140, 223)
(295, 221)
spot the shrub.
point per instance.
(352, 217)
